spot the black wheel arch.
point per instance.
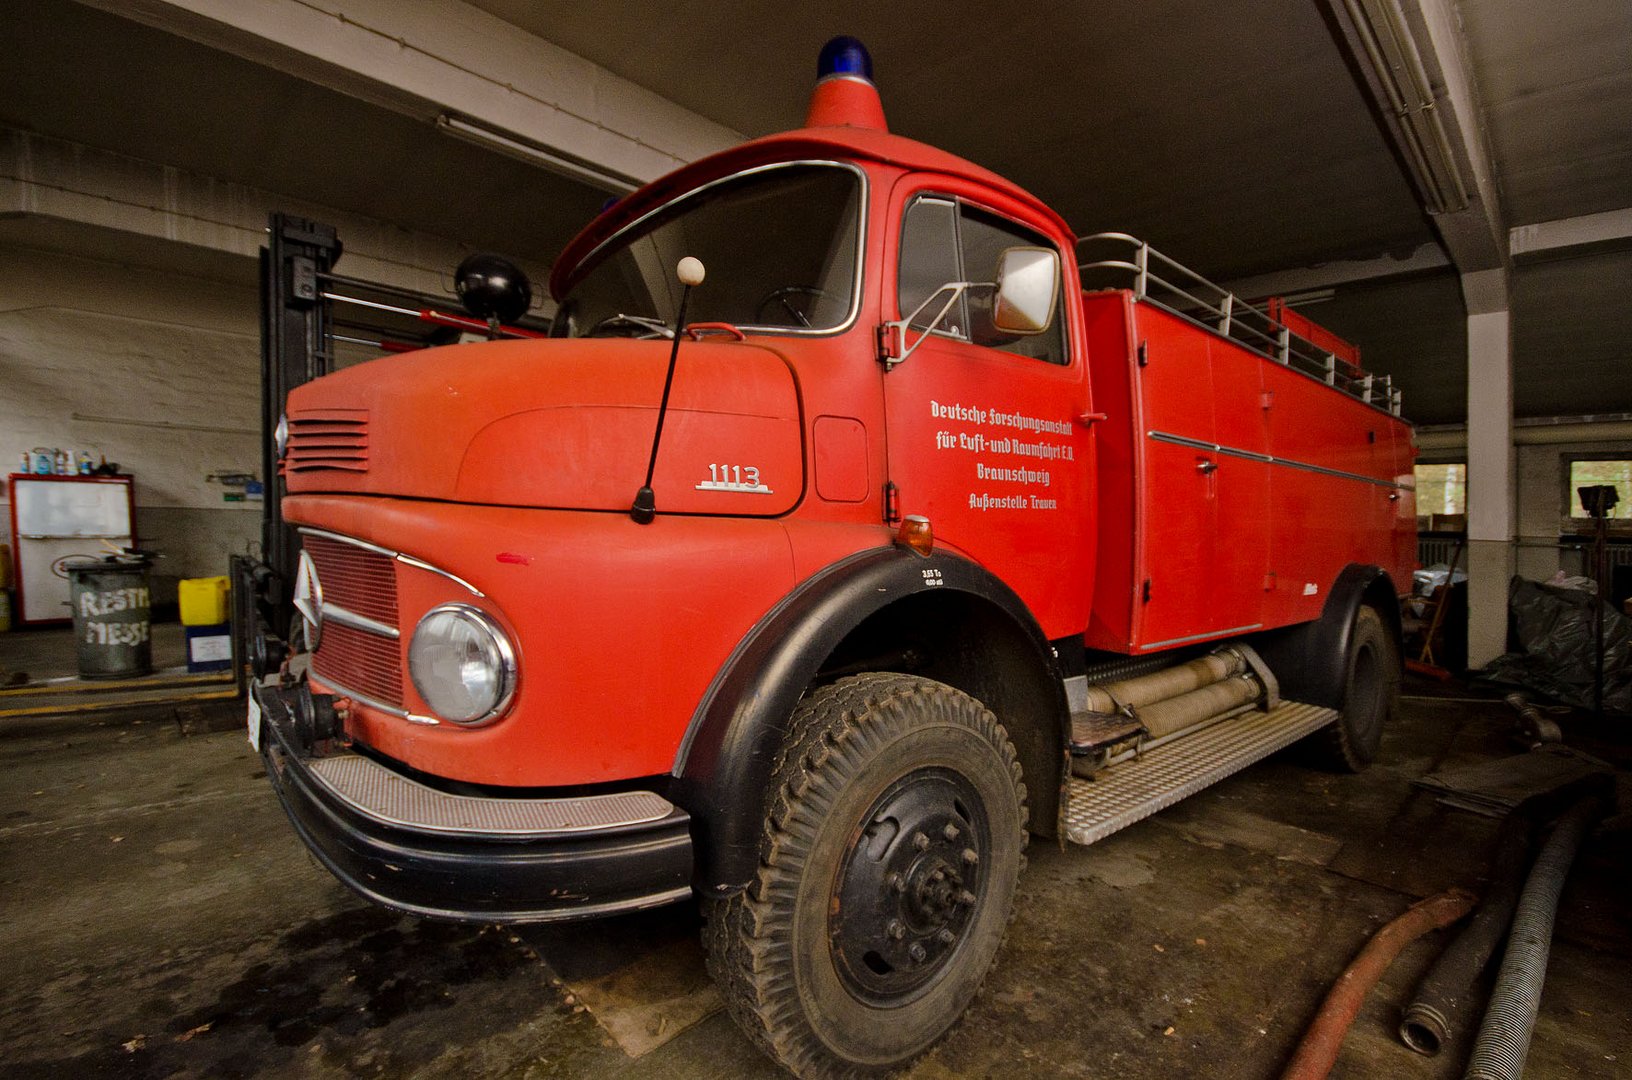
(970, 631)
(1310, 660)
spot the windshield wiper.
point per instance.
(654, 327)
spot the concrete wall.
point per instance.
(157, 371)
(1542, 503)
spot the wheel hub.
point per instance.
(909, 885)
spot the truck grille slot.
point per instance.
(360, 661)
(356, 578)
(363, 582)
(327, 439)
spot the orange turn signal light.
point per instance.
(915, 535)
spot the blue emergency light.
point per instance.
(844, 55)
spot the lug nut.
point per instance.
(920, 841)
(937, 874)
(897, 931)
(950, 832)
(970, 856)
(966, 897)
(946, 937)
(898, 883)
(917, 953)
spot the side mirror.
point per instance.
(1028, 284)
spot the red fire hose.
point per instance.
(1318, 1051)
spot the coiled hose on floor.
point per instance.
(1437, 1010)
(1503, 1042)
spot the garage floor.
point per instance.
(159, 918)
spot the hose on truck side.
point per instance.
(1503, 1043)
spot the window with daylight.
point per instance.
(1442, 497)
(1590, 472)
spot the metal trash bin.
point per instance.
(112, 607)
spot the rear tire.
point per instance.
(1371, 695)
(886, 881)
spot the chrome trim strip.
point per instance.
(390, 798)
(1203, 637)
(407, 560)
(861, 239)
(375, 703)
(1267, 459)
(360, 622)
(353, 541)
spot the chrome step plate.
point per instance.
(1133, 790)
(391, 799)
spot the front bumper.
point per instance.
(416, 849)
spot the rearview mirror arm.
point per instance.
(893, 335)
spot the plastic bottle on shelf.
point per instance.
(62, 462)
(82, 463)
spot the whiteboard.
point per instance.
(54, 508)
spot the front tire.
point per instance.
(1371, 695)
(892, 847)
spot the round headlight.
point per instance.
(280, 435)
(461, 664)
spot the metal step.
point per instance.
(1133, 790)
(1092, 731)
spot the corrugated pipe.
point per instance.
(1503, 1043)
(1436, 1011)
(1317, 1052)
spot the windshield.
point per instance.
(779, 245)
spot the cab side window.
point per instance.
(929, 259)
(944, 240)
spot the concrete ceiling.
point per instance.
(1231, 136)
(90, 77)
(1235, 137)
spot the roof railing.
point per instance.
(1129, 262)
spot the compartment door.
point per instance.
(1178, 498)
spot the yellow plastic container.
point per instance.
(203, 601)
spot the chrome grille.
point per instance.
(357, 660)
(363, 582)
(327, 439)
(356, 578)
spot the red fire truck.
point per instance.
(855, 520)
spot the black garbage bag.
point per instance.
(1558, 650)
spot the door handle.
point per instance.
(1205, 467)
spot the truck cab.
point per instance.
(810, 588)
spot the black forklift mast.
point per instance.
(295, 331)
(300, 330)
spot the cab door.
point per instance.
(986, 436)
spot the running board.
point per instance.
(1131, 791)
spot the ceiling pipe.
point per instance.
(1456, 438)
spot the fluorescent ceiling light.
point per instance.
(524, 149)
(1389, 50)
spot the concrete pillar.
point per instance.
(1491, 498)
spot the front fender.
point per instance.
(725, 765)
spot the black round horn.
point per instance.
(492, 287)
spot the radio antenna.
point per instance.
(690, 272)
